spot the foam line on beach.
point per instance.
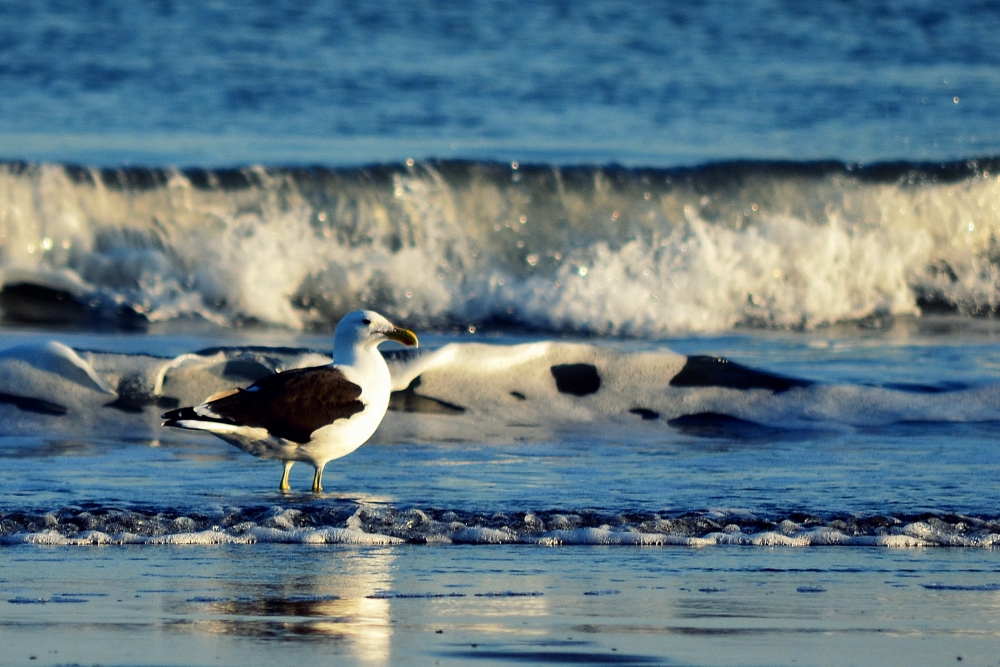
(386, 526)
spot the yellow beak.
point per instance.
(404, 336)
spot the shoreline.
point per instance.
(403, 605)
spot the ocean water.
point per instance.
(707, 305)
(202, 84)
(831, 491)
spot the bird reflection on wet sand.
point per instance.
(336, 603)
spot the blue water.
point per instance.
(919, 469)
(642, 83)
(508, 549)
(808, 190)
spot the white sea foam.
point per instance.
(473, 391)
(206, 537)
(613, 252)
(909, 535)
(385, 524)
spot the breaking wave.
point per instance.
(588, 249)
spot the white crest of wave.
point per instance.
(429, 247)
(781, 273)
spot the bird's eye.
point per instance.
(366, 322)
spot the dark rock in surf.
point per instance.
(29, 404)
(576, 379)
(705, 371)
(716, 425)
(408, 400)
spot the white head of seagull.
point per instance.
(308, 414)
(364, 330)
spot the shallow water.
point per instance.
(610, 469)
(593, 486)
(800, 466)
(294, 604)
(524, 546)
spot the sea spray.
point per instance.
(595, 250)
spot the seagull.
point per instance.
(313, 414)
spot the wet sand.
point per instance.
(425, 605)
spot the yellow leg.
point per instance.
(318, 479)
(284, 478)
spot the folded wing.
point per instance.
(290, 405)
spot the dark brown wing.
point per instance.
(290, 405)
